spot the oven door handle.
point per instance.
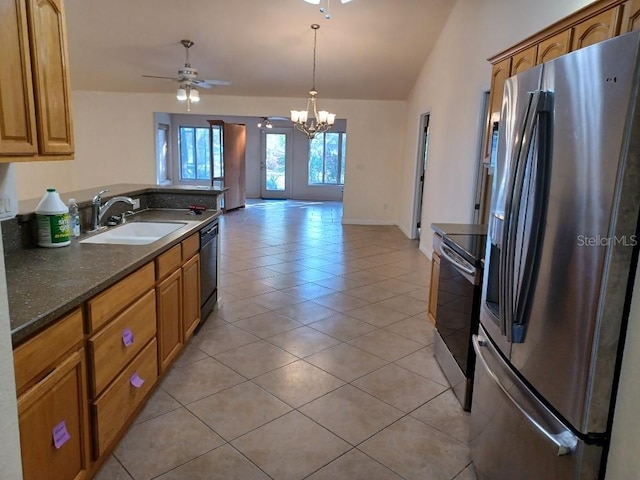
(446, 252)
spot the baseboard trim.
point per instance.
(349, 221)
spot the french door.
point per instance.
(276, 163)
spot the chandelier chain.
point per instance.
(311, 121)
(315, 27)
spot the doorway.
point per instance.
(275, 164)
(421, 169)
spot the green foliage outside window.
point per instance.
(195, 153)
(327, 155)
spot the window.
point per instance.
(218, 165)
(327, 154)
(195, 153)
(163, 175)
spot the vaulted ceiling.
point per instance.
(369, 49)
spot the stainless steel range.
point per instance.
(459, 293)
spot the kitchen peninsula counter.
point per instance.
(45, 283)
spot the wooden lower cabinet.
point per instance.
(75, 404)
(190, 296)
(114, 299)
(169, 318)
(113, 409)
(115, 345)
(53, 420)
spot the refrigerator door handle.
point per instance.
(539, 102)
(542, 105)
(565, 441)
(508, 250)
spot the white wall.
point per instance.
(450, 87)
(115, 134)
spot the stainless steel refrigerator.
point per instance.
(560, 259)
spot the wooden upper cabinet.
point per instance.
(35, 112)
(630, 16)
(50, 63)
(596, 29)
(554, 47)
(501, 71)
(524, 60)
(17, 107)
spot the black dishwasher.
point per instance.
(208, 269)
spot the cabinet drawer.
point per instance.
(54, 433)
(107, 304)
(116, 344)
(168, 262)
(35, 357)
(114, 407)
(190, 246)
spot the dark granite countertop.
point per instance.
(459, 229)
(45, 283)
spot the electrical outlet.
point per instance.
(136, 203)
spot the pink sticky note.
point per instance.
(136, 381)
(127, 337)
(60, 434)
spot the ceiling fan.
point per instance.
(188, 76)
(265, 122)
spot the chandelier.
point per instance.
(324, 8)
(321, 120)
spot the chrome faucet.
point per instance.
(98, 210)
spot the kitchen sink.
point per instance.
(135, 233)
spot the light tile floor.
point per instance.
(317, 363)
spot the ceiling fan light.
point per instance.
(181, 95)
(194, 95)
